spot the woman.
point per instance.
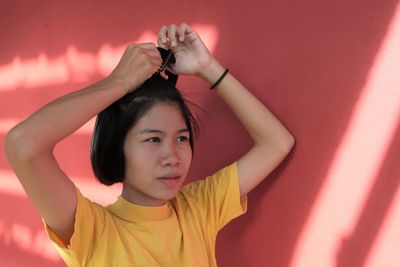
(155, 222)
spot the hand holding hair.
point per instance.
(190, 52)
(138, 63)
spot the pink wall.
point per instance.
(327, 69)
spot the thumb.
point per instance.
(170, 70)
(161, 44)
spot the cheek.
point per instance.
(140, 162)
(139, 155)
(186, 154)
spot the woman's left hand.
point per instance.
(191, 54)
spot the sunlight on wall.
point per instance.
(385, 250)
(355, 166)
(7, 124)
(78, 66)
(91, 188)
(37, 242)
(75, 66)
(24, 238)
(71, 67)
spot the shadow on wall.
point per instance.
(23, 241)
(320, 84)
(356, 247)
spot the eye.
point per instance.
(182, 139)
(153, 139)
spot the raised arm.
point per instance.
(29, 144)
(272, 141)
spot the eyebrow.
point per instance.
(147, 131)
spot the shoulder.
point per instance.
(214, 182)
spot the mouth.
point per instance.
(169, 180)
(170, 176)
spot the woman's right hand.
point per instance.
(138, 63)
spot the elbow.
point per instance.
(289, 144)
(281, 146)
(17, 145)
(286, 145)
(13, 144)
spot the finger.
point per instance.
(181, 31)
(161, 44)
(172, 34)
(156, 63)
(150, 49)
(146, 45)
(165, 76)
(187, 28)
(170, 70)
(152, 53)
(155, 57)
(163, 34)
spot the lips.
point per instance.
(170, 176)
(170, 180)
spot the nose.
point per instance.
(170, 155)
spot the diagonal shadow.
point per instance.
(355, 248)
(321, 109)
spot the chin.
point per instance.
(169, 196)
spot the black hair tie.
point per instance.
(220, 79)
(168, 58)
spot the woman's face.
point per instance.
(155, 149)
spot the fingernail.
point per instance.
(163, 39)
(173, 43)
(181, 38)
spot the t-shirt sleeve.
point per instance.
(76, 253)
(218, 196)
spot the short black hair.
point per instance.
(113, 124)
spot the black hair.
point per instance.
(113, 124)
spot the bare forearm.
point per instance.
(60, 118)
(63, 116)
(261, 124)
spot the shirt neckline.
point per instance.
(133, 212)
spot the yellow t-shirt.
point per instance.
(180, 233)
